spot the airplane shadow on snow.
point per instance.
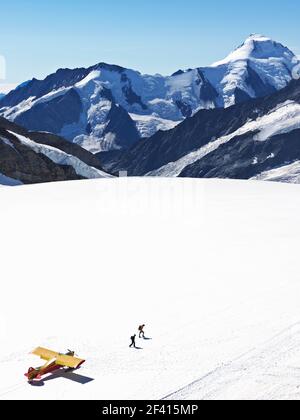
(71, 376)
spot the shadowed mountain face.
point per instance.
(38, 88)
(52, 115)
(243, 158)
(109, 108)
(242, 141)
(31, 157)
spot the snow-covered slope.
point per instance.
(284, 118)
(61, 158)
(286, 173)
(107, 107)
(210, 266)
(242, 142)
(260, 57)
(268, 373)
(29, 157)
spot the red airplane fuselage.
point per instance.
(49, 367)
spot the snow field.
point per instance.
(209, 266)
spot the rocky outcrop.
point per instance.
(21, 161)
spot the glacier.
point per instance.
(100, 98)
(216, 263)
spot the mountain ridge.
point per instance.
(241, 141)
(33, 157)
(105, 97)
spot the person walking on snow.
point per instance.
(141, 331)
(133, 341)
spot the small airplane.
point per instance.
(54, 361)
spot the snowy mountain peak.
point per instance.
(258, 47)
(108, 107)
(258, 37)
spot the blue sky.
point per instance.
(37, 37)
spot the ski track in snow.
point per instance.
(265, 371)
(209, 266)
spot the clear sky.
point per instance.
(153, 36)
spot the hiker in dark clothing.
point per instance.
(133, 341)
(141, 331)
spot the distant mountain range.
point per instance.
(239, 118)
(107, 107)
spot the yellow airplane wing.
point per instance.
(69, 361)
(45, 354)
